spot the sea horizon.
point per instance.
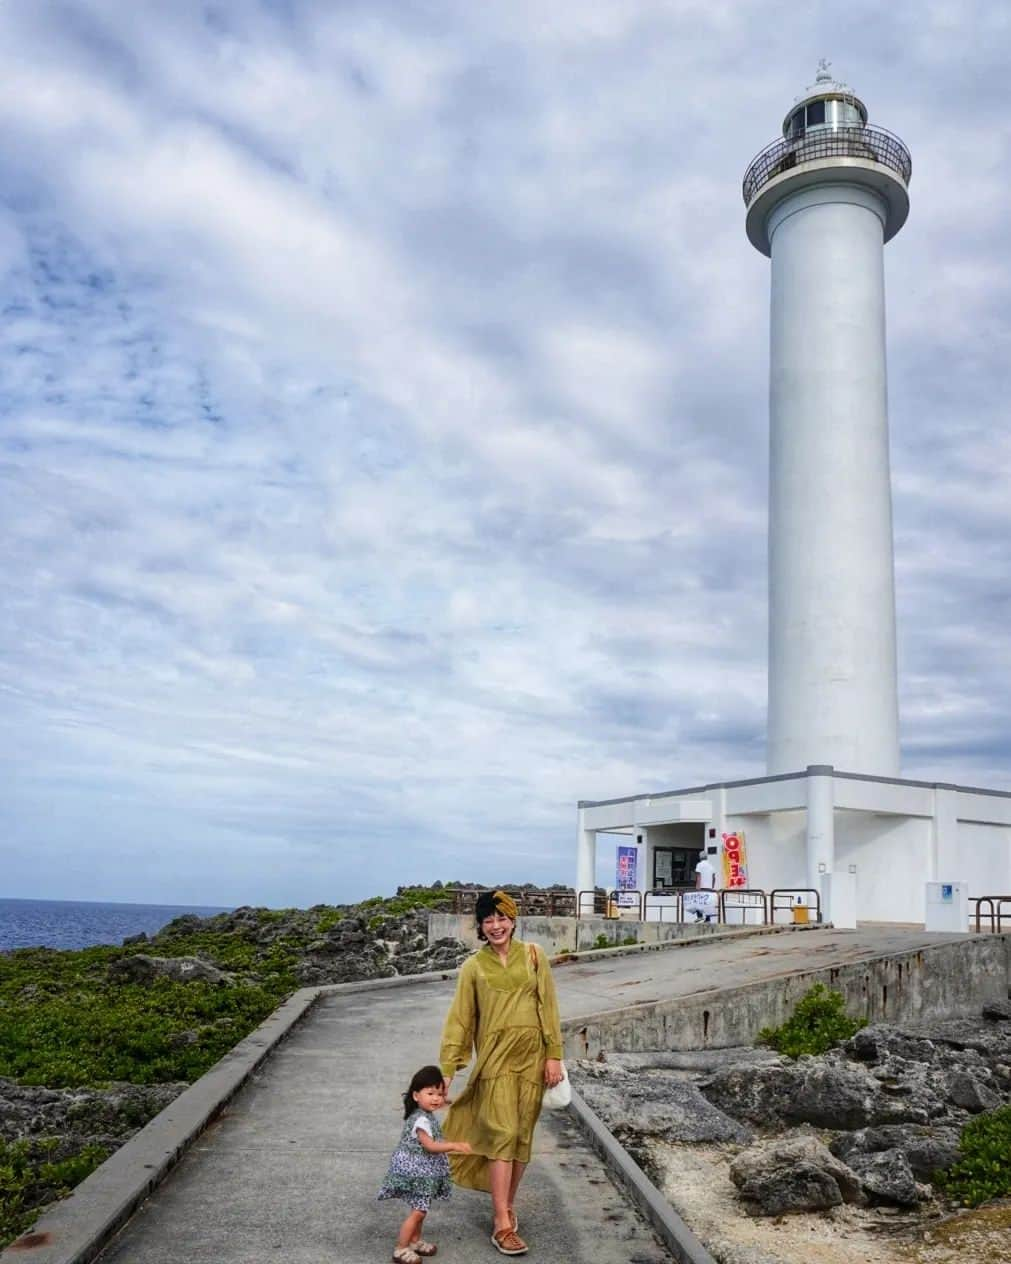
(33, 922)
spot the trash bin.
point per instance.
(801, 915)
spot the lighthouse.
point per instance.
(822, 201)
(832, 828)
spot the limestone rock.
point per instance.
(926, 1149)
(141, 968)
(811, 1090)
(875, 1043)
(652, 1104)
(80, 1116)
(998, 1011)
(971, 1092)
(887, 1177)
(796, 1174)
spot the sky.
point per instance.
(384, 423)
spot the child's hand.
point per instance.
(463, 1147)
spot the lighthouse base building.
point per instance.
(851, 846)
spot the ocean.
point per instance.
(81, 923)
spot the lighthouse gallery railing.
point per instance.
(873, 144)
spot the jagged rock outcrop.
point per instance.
(926, 1149)
(140, 968)
(641, 1104)
(80, 1116)
(883, 1075)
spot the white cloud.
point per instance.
(383, 455)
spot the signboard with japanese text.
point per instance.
(735, 860)
(627, 875)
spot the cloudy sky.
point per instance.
(384, 421)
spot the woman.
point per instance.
(506, 1010)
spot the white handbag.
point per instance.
(560, 1095)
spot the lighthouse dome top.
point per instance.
(828, 102)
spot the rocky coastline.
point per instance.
(856, 1137)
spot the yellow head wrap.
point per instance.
(490, 902)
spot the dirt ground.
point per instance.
(696, 1180)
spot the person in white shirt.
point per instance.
(705, 880)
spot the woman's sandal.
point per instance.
(514, 1223)
(421, 1247)
(406, 1255)
(509, 1242)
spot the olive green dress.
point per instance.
(508, 1014)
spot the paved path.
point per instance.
(289, 1171)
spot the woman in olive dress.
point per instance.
(505, 1011)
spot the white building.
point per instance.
(833, 815)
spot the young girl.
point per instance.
(419, 1169)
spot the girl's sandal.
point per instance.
(406, 1255)
(421, 1247)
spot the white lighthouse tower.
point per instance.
(833, 827)
(822, 201)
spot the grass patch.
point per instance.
(818, 1022)
(983, 1171)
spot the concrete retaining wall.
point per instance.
(957, 977)
(572, 934)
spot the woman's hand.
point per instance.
(552, 1072)
(445, 1091)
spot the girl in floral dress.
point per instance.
(419, 1169)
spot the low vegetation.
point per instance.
(65, 1024)
(983, 1170)
(31, 1175)
(818, 1022)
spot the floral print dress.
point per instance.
(415, 1175)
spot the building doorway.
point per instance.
(674, 867)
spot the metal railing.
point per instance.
(793, 901)
(667, 893)
(996, 912)
(755, 901)
(560, 903)
(874, 144)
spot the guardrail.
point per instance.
(668, 893)
(794, 904)
(668, 904)
(997, 913)
(730, 897)
(561, 903)
(874, 144)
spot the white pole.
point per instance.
(820, 824)
(586, 859)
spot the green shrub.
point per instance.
(818, 1022)
(984, 1169)
(30, 1178)
(602, 941)
(629, 939)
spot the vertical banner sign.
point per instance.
(735, 860)
(627, 875)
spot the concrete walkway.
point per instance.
(289, 1171)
